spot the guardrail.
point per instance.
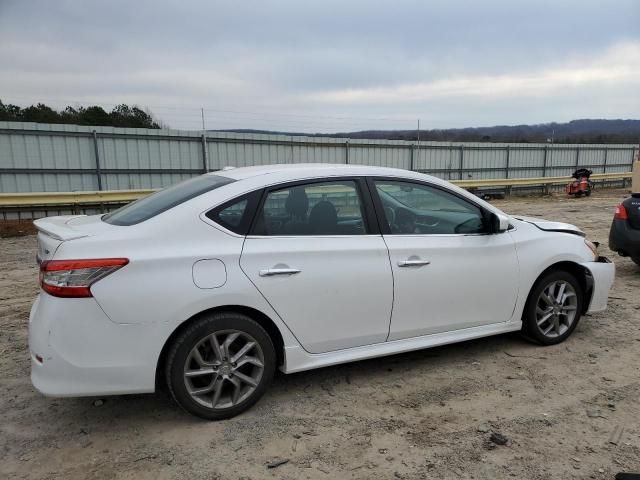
(532, 182)
(54, 199)
(43, 199)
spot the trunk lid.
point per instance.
(52, 231)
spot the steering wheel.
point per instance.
(429, 221)
(391, 216)
(405, 221)
(473, 225)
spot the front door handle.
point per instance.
(413, 263)
(270, 272)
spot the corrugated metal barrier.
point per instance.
(66, 158)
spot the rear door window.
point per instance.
(319, 208)
(163, 200)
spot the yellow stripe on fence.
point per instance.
(523, 182)
(44, 199)
(70, 198)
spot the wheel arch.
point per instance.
(260, 317)
(582, 274)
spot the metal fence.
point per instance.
(48, 158)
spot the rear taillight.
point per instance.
(73, 278)
(621, 213)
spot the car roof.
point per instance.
(306, 170)
(260, 176)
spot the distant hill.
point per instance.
(576, 131)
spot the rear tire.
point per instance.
(220, 365)
(553, 308)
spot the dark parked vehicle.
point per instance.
(624, 236)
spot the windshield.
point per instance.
(163, 200)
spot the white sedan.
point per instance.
(211, 284)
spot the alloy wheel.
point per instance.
(556, 308)
(223, 369)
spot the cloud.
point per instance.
(326, 66)
(621, 65)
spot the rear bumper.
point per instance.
(624, 240)
(603, 273)
(76, 350)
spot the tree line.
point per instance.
(575, 131)
(121, 116)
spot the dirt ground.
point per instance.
(568, 411)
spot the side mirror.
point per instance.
(499, 223)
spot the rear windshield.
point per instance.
(161, 201)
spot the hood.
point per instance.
(551, 226)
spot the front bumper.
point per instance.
(76, 350)
(603, 273)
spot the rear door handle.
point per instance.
(413, 263)
(270, 272)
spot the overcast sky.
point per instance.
(327, 65)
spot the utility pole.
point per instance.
(205, 146)
(418, 150)
(553, 135)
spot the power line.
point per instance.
(196, 118)
(215, 109)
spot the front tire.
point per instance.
(220, 365)
(553, 308)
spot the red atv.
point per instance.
(581, 185)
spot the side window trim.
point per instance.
(365, 196)
(253, 199)
(382, 219)
(376, 205)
